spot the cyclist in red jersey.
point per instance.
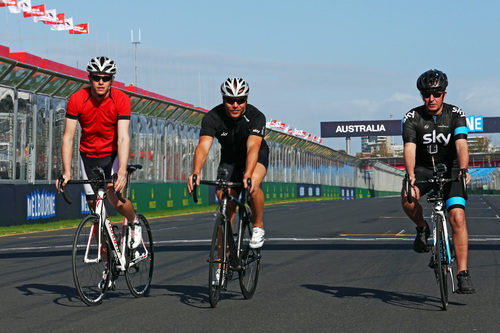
(104, 116)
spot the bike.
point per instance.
(442, 255)
(231, 252)
(101, 253)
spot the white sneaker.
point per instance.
(101, 283)
(216, 279)
(134, 235)
(257, 238)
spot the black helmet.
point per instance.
(432, 80)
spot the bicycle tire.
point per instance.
(249, 261)
(139, 272)
(215, 262)
(441, 260)
(88, 276)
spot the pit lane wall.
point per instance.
(35, 204)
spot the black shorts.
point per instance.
(233, 172)
(453, 192)
(108, 163)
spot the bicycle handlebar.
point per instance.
(222, 183)
(130, 169)
(434, 180)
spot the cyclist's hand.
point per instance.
(245, 184)
(190, 184)
(467, 176)
(121, 180)
(66, 177)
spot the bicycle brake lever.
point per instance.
(195, 196)
(118, 194)
(60, 186)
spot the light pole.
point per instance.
(135, 50)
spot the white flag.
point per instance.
(49, 17)
(22, 6)
(68, 25)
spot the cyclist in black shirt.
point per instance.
(440, 130)
(239, 127)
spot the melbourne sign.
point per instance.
(342, 129)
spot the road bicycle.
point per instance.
(442, 253)
(231, 252)
(101, 252)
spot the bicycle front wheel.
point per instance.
(217, 263)
(440, 259)
(250, 263)
(89, 271)
(141, 260)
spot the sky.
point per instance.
(305, 61)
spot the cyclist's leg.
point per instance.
(414, 209)
(455, 204)
(258, 195)
(460, 236)
(124, 208)
(86, 171)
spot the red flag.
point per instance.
(35, 11)
(58, 20)
(7, 3)
(80, 29)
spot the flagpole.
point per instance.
(135, 43)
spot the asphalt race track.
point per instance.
(328, 266)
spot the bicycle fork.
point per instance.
(443, 248)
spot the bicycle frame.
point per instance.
(118, 251)
(446, 258)
(235, 249)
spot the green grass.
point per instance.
(64, 224)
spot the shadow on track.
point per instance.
(64, 294)
(405, 300)
(195, 296)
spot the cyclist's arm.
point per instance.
(409, 153)
(200, 157)
(253, 147)
(67, 147)
(463, 155)
(123, 153)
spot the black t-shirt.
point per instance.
(423, 129)
(232, 134)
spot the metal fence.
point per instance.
(164, 133)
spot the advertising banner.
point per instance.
(342, 129)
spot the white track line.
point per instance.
(486, 238)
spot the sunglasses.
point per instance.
(231, 101)
(435, 94)
(98, 78)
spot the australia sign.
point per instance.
(342, 129)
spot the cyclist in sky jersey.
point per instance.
(440, 130)
(239, 127)
(103, 113)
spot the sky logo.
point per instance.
(40, 205)
(475, 124)
(84, 204)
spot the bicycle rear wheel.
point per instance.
(217, 263)
(250, 263)
(141, 260)
(441, 263)
(88, 271)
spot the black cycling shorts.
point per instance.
(108, 163)
(233, 172)
(453, 192)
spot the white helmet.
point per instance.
(234, 87)
(101, 65)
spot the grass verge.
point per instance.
(64, 224)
